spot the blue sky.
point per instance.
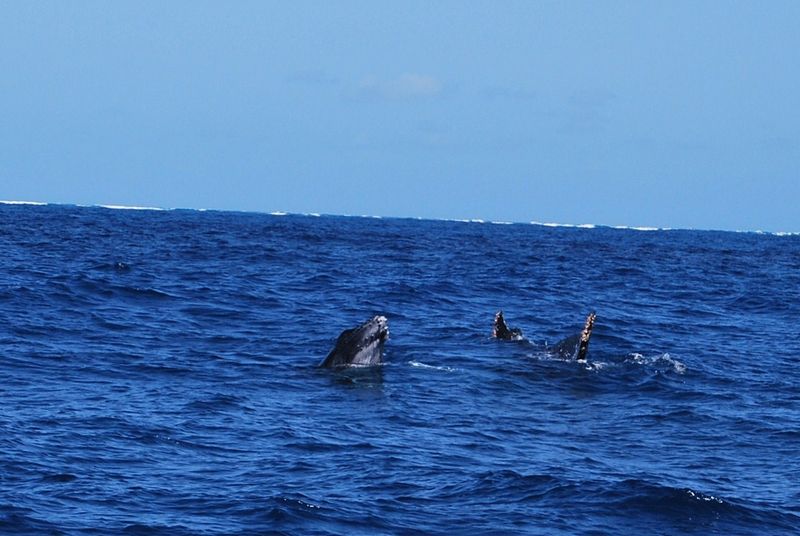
(671, 114)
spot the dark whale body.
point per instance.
(574, 347)
(361, 346)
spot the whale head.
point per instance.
(361, 346)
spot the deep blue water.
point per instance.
(158, 376)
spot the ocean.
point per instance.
(158, 376)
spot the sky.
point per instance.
(640, 113)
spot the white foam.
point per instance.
(639, 359)
(704, 497)
(278, 213)
(356, 216)
(627, 228)
(770, 233)
(457, 220)
(125, 207)
(566, 225)
(431, 367)
(34, 203)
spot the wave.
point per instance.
(688, 507)
(640, 505)
(19, 520)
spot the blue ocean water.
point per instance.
(158, 376)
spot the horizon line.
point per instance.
(279, 213)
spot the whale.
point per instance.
(361, 346)
(573, 347)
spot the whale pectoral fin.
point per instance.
(501, 330)
(586, 334)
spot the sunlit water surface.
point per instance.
(158, 376)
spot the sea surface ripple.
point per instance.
(158, 376)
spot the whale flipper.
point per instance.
(576, 346)
(502, 331)
(361, 346)
(586, 334)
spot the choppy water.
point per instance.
(158, 376)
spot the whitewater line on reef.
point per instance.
(417, 218)
(125, 207)
(35, 203)
(626, 228)
(568, 225)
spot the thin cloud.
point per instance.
(509, 93)
(312, 78)
(588, 110)
(592, 98)
(405, 87)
